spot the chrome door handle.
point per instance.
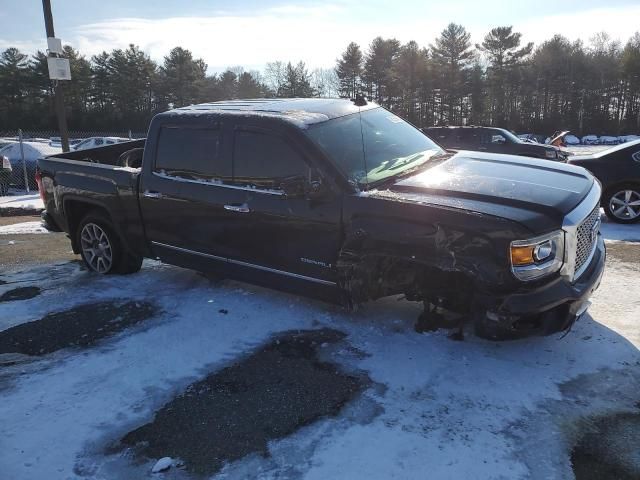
(244, 208)
(150, 194)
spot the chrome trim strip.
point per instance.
(245, 264)
(233, 187)
(570, 226)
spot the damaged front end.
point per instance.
(460, 267)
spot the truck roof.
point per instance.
(301, 112)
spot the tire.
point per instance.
(101, 248)
(622, 203)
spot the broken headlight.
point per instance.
(537, 257)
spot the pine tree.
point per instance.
(132, 75)
(181, 77)
(250, 86)
(452, 54)
(378, 74)
(411, 72)
(14, 80)
(297, 82)
(349, 70)
(502, 48)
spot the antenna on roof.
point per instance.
(360, 100)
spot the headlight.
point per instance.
(534, 258)
(551, 154)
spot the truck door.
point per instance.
(182, 193)
(269, 228)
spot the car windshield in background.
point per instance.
(510, 136)
(372, 146)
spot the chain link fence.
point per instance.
(20, 150)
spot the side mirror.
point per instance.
(316, 189)
(303, 187)
(294, 187)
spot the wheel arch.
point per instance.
(75, 209)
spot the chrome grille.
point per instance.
(586, 237)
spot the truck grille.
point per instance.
(586, 237)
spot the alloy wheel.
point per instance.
(625, 204)
(96, 248)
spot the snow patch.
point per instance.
(165, 463)
(22, 228)
(26, 201)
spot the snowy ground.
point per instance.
(21, 201)
(22, 228)
(435, 408)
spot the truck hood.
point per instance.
(536, 193)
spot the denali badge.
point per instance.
(315, 262)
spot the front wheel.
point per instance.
(622, 204)
(102, 249)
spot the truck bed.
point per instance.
(107, 155)
(92, 179)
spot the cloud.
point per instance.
(318, 34)
(620, 22)
(314, 35)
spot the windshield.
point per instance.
(510, 136)
(372, 146)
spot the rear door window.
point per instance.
(466, 137)
(192, 153)
(492, 137)
(265, 161)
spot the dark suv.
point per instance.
(495, 140)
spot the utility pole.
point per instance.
(57, 85)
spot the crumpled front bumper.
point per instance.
(544, 310)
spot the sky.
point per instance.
(253, 32)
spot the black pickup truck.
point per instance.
(340, 200)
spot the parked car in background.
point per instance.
(32, 152)
(489, 139)
(590, 140)
(7, 141)
(608, 140)
(93, 142)
(618, 170)
(57, 141)
(340, 200)
(5, 175)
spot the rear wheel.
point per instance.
(102, 249)
(622, 203)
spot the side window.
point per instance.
(439, 134)
(466, 136)
(265, 161)
(191, 153)
(99, 141)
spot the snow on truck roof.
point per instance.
(301, 112)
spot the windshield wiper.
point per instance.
(441, 155)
